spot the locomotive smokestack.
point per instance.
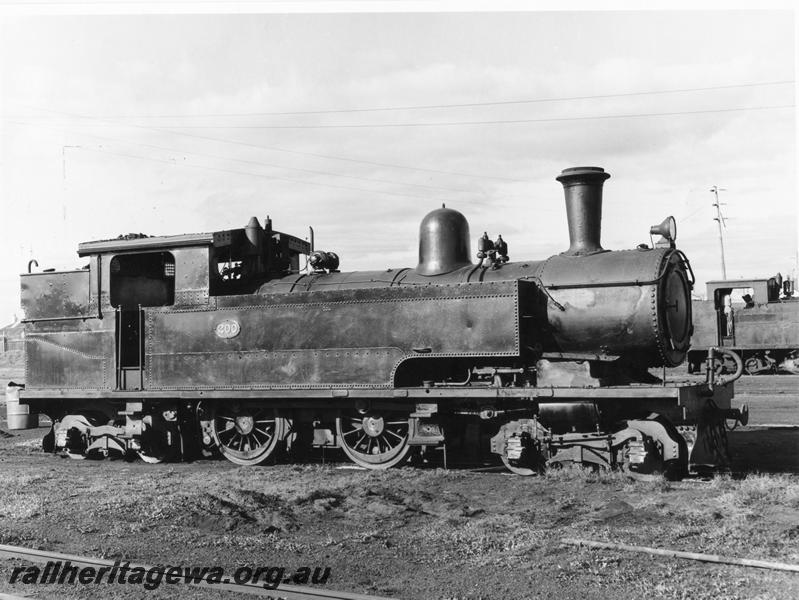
(583, 189)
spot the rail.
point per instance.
(712, 558)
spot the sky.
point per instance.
(359, 124)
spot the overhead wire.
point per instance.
(692, 213)
(344, 159)
(286, 150)
(252, 162)
(171, 130)
(262, 175)
(231, 171)
(494, 122)
(457, 105)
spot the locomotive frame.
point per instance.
(171, 347)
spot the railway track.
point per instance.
(766, 385)
(282, 591)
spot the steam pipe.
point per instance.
(710, 368)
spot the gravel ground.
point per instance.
(420, 533)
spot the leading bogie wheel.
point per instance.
(518, 468)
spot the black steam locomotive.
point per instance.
(173, 346)
(758, 319)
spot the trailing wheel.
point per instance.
(246, 434)
(374, 440)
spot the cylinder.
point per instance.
(583, 189)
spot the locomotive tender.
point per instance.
(174, 346)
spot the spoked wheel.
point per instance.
(517, 468)
(153, 450)
(521, 447)
(652, 467)
(639, 476)
(245, 434)
(152, 459)
(751, 366)
(723, 365)
(155, 446)
(522, 456)
(71, 433)
(374, 440)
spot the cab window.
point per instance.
(146, 279)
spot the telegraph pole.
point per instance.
(64, 160)
(719, 218)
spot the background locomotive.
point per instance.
(756, 318)
(168, 346)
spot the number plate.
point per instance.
(227, 329)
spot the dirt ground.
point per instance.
(421, 533)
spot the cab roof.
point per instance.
(162, 242)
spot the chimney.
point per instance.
(583, 189)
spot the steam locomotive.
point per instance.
(758, 319)
(177, 346)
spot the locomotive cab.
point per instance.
(71, 344)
